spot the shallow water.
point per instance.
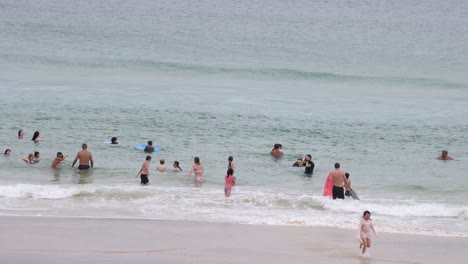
(358, 83)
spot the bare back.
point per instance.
(85, 157)
(338, 177)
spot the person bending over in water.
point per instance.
(58, 160)
(230, 180)
(298, 162)
(309, 165)
(21, 134)
(85, 157)
(161, 167)
(276, 151)
(365, 226)
(36, 137)
(339, 179)
(114, 140)
(444, 156)
(144, 171)
(149, 147)
(176, 166)
(197, 168)
(30, 159)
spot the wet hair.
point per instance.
(113, 140)
(161, 162)
(19, 132)
(36, 153)
(276, 146)
(148, 157)
(308, 155)
(445, 151)
(337, 165)
(229, 172)
(6, 151)
(365, 212)
(176, 163)
(150, 143)
(196, 160)
(84, 146)
(347, 175)
(35, 136)
(230, 159)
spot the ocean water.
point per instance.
(380, 87)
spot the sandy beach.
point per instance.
(81, 240)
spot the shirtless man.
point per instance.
(444, 156)
(144, 172)
(339, 180)
(276, 151)
(85, 158)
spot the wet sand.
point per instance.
(83, 240)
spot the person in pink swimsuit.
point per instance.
(365, 226)
(230, 180)
(58, 160)
(197, 168)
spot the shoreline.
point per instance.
(89, 240)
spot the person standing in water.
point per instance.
(230, 180)
(308, 165)
(444, 156)
(144, 171)
(198, 169)
(364, 228)
(85, 157)
(339, 180)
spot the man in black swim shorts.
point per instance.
(83, 167)
(144, 172)
(339, 180)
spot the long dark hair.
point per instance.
(19, 132)
(229, 172)
(196, 160)
(177, 165)
(230, 159)
(35, 136)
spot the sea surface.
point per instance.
(378, 86)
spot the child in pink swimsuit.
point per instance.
(230, 180)
(58, 160)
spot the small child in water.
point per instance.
(161, 167)
(230, 180)
(58, 160)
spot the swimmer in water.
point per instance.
(161, 167)
(114, 140)
(298, 162)
(20, 134)
(7, 152)
(197, 168)
(36, 137)
(176, 166)
(276, 151)
(149, 147)
(58, 160)
(444, 156)
(230, 163)
(29, 159)
(309, 165)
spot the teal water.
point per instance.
(379, 87)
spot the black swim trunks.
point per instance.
(144, 179)
(338, 192)
(83, 167)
